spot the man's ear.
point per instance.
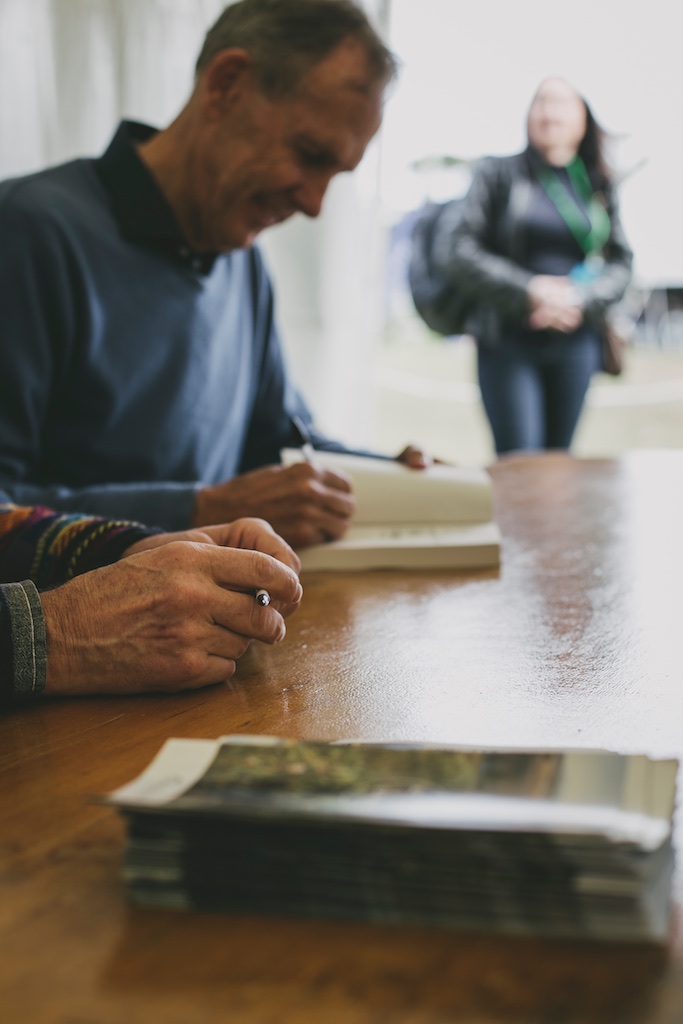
(224, 80)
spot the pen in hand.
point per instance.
(262, 597)
(304, 438)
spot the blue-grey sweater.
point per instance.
(132, 371)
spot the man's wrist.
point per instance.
(210, 507)
(199, 512)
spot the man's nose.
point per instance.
(310, 194)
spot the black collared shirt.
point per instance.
(143, 211)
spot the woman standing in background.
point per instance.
(542, 254)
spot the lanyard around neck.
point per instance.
(592, 236)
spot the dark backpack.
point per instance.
(437, 300)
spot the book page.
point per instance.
(178, 766)
(387, 492)
(407, 546)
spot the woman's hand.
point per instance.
(555, 304)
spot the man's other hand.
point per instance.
(304, 503)
(416, 458)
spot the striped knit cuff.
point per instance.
(23, 651)
(72, 544)
(103, 544)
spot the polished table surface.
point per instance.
(575, 642)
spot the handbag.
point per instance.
(613, 348)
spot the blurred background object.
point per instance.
(69, 69)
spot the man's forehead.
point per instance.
(347, 68)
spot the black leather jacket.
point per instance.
(483, 254)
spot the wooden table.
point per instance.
(575, 642)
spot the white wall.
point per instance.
(70, 69)
(328, 275)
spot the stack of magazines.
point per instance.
(572, 843)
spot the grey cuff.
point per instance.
(29, 647)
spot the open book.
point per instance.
(437, 518)
(572, 843)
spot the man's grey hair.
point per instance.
(286, 38)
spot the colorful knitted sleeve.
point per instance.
(52, 547)
(41, 548)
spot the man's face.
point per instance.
(267, 159)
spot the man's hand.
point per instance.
(247, 534)
(172, 618)
(416, 458)
(304, 503)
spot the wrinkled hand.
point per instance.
(172, 618)
(304, 503)
(247, 534)
(555, 304)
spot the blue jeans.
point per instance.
(533, 390)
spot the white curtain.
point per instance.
(329, 278)
(28, 112)
(71, 69)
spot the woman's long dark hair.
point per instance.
(592, 151)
